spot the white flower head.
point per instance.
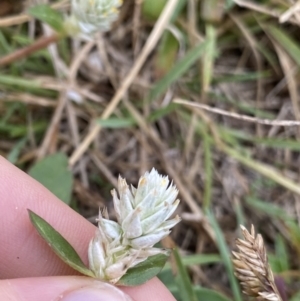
(143, 212)
(94, 15)
(142, 221)
(109, 259)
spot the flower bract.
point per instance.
(142, 221)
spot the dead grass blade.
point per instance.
(23, 18)
(237, 116)
(147, 49)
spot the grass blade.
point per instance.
(226, 256)
(183, 280)
(178, 70)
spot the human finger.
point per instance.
(63, 288)
(23, 253)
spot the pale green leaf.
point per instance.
(54, 174)
(195, 259)
(59, 244)
(144, 271)
(207, 294)
(152, 9)
(178, 70)
(48, 15)
(280, 260)
(229, 4)
(166, 54)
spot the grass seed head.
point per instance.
(252, 267)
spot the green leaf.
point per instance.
(229, 4)
(13, 82)
(163, 111)
(192, 260)
(167, 277)
(166, 54)
(152, 9)
(280, 260)
(54, 174)
(144, 271)
(183, 280)
(59, 244)
(178, 70)
(48, 15)
(202, 294)
(291, 46)
(268, 208)
(207, 294)
(20, 130)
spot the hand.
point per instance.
(24, 254)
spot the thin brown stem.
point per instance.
(39, 44)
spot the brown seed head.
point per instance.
(252, 267)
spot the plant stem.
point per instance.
(39, 44)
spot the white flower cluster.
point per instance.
(91, 16)
(142, 221)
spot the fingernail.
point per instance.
(97, 292)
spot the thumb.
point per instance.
(63, 288)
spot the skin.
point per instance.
(23, 253)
